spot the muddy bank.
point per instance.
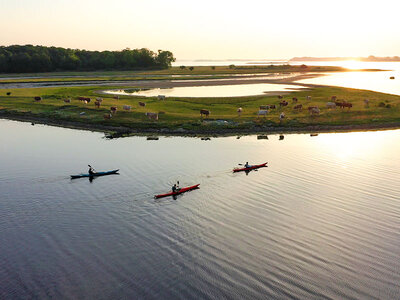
(121, 131)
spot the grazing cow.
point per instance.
(264, 107)
(107, 116)
(262, 112)
(348, 105)
(333, 98)
(99, 99)
(204, 112)
(283, 103)
(67, 100)
(239, 111)
(116, 97)
(8, 93)
(280, 97)
(37, 99)
(366, 103)
(281, 116)
(273, 106)
(330, 105)
(97, 103)
(161, 97)
(312, 107)
(298, 107)
(295, 99)
(314, 111)
(142, 104)
(308, 98)
(113, 110)
(152, 116)
(126, 107)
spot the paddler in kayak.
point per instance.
(175, 187)
(91, 170)
(246, 165)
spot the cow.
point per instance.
(273, 106)
(113, 110)
(116, 97)
(314, 111)
(99, 99)
(239, 111)
(330, 105)
(280, 97)
(283, 103)
(126, 107)
(298, 107)
(348, 105)
(264, 107)
(204, 112)
(107, 116)
(308, 98)
(161, 97)
(262, 112)
(67, 100)
(152, 116)
(312, 107)
(142, 104)
(97, 103)
(8, 93)
(37, 99)
(295, 99)
(84, 99)
(281, 116)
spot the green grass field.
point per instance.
(184, 112)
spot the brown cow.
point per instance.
(107, 116)
(346, 104)
(264, 107)
(298, 106)
(97, 103)
(152, 116)
(283, 103)
(204, 112)
(295, 99)
(314, 111)
(37, 99)
(67, 100)
(142, 104)
(273, 106)
(280, 97)
(116, 97)
(84, 99)
(113, 110)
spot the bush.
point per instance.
(191, 68)
(212, 68)
(232, 66)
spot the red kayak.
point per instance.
(250, 168)
(181, 191)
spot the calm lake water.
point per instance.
(239, 90)
(322, 221)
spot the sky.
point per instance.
(208, 29)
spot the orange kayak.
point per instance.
(250, 168)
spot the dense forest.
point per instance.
(29, 58)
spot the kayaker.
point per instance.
(174, 188)
(91, 170)
(246, 165)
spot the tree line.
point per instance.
(29, 58)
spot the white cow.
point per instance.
(262, 112)
(161, 97)
(126, 107)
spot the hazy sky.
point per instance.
(208, 29)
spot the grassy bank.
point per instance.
(177, 71)
(182, 114)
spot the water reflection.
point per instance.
(321, 222)
(211, 91)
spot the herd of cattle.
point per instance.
(263, 109)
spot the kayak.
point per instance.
(250, 168)
(181, 191)
(95, 174)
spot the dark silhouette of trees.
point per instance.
(29, 58)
